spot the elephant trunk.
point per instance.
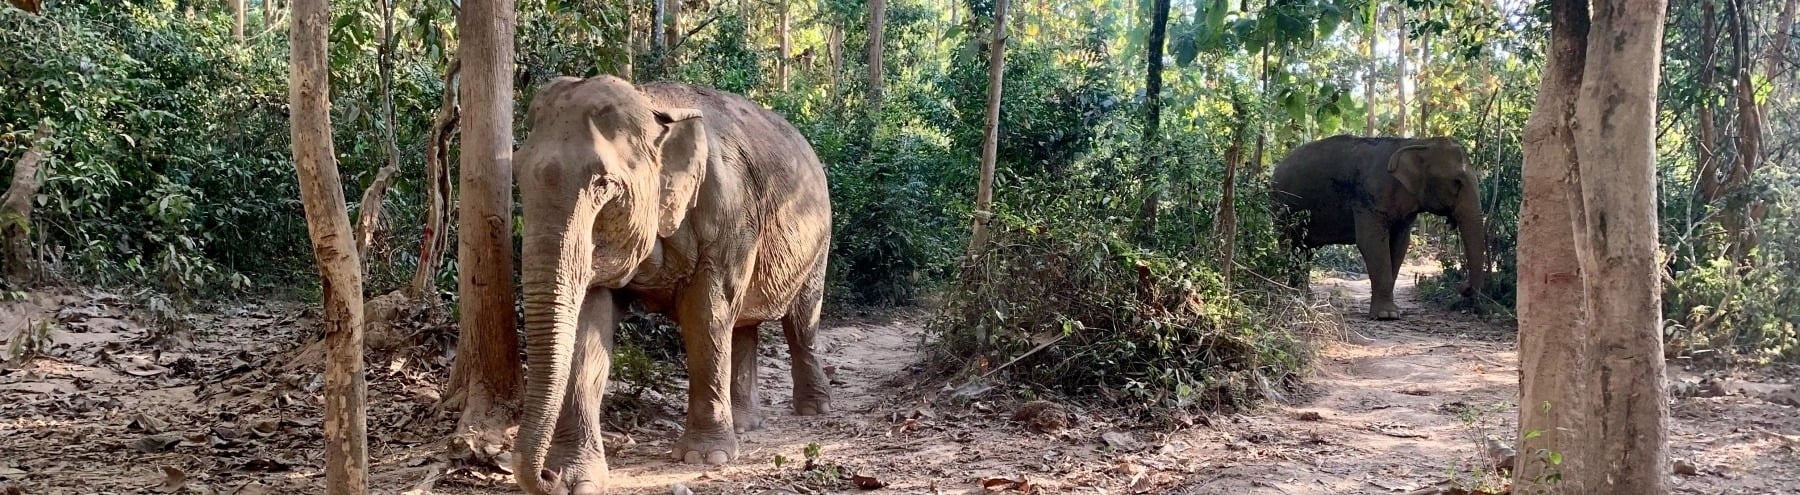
(556, 266)
(1474, 238)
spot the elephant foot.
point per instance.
(697, 447)
(746, 419)
(1384, 311)
(580, 477)
(812, 406)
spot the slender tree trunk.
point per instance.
(1369, 37)
(1609, 377)
(1738, 219)
(657, 19)
(237, 17)
(1404, 52)
(15, 210)
(435, 238)
(631, 47)
(1778, 44)
(369, 209)
(990, 143)
(877, 45)
(784, 63)
(486, 379)
(1552, 397)
(340, 274)
(1225, 226)
(1151, 175)
(1709, 188)
(671, 29)
(1422, 81)
(836, 46)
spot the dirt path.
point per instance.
(1399, 406)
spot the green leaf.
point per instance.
(1215, 16)
(1186, 49)
(1555, 458)
(1533, 434)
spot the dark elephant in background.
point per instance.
(698, 203)
(1367, 191)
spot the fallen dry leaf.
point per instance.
(1121, 441)
(253, 488)
(1307, 416)
(1685, 468)
(866, 482)
(149, 424)
(174, 479)
(156, 443)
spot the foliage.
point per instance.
(1086, 314)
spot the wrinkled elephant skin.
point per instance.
(1367, 192)
(695, 202)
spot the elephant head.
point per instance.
(1437, 173)
(604, 173)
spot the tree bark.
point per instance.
(434, 240)
(1738, 218)
(1404, 52)
(1552, 398)
(1422, 84)
(990, 143)
(15, 210)
(784, 63)
(486, 377)
(328, 223)
(237, 17)
(631, 46)
(1225, 225)
(1616, 239)
(1778, 45)
(31, 6)
(1594, 394)
(1151, 174)
(1369, 79)
(836, 45)
(877, 26)
(671, 29)
(1708, 188)
(369, 209)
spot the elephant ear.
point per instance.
(1407, 165)
(684, 154)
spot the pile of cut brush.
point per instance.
(1089, 315)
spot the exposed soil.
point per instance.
(1398, 406)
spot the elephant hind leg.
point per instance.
(746, 415)
(812, 393)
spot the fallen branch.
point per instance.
(15, 208)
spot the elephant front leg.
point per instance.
(577, 458)
(705, 318)
(1375, 243)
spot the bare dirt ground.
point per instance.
(1397, 407)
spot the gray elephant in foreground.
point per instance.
(699, 204)
(1367, 191)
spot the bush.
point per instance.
(1086, 314)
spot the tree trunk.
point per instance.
(1404, 52)
(990, 143)
(1778, 44)
(1615, 228)
(1369, 79)
(1151, 174)
(1422, 82)
(657, 18)
(836, 45)
(671, 29)
(435, 236)
(1708, 188)
(237, 17)
(328, 223)
(784, 63)
(631, 47)
(1738, 220)
(485, 379)
(1225, 225)
(369, 209)
(15, 210)
(877, 26)
(1593, 391)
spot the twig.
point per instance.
(1033, 350)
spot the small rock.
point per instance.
(1685, 468)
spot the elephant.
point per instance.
(1367, 191)
(694, 202)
